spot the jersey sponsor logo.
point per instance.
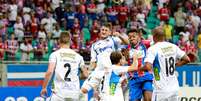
(103, 49)
(167, 49)
(69, 55)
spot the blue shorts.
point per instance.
(136, 89)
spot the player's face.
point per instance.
(123, 61)
(133, 38)
(104, 32)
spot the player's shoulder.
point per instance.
(170, 44)
(96, 43)
(75, 53)
(55, 53)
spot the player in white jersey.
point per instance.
(65, 64)
(106, 44)
(100, 52)
(164, 57)
(115, 76)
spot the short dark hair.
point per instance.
(132, 31)
(108, 25)
(115, 57)
(64, 37)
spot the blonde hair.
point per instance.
(64, 37)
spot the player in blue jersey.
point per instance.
(140, 83)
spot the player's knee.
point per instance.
(84, 91)
(147, 98)
(147, 95)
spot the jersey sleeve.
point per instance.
(93, 54)
(117, 40)
(150, 56)
(52, 58)
(179, 53)
(81, 64)
(120, 69)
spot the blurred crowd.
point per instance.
(30, 29)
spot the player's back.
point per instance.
(66, 78)
(165, 55)
(113, 80)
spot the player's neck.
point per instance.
(135, 45)
(159, 41)
(118, 64)
(64, 46)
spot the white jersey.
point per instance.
(66, 80)
(102, 49)
(113, 83)
(163, 56)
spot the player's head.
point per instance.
(158, 34)
(105, 31)
(64, 37)
(116, 57)
(134, 36)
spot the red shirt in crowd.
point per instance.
(2, 50)
(164, 14)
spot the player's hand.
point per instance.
(135, 60)
(116, 34)
(43, 93)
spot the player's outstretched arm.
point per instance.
(184, 60)
(48, 76)
(124, 40)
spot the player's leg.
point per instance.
(147, 90)
(54, 97)
(135, 91)
(91, 82)
(159, 96)
(126, 93)
(173, 97)
(70, 99)
(83, 97)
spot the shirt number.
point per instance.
(67, 65)
(170, 66)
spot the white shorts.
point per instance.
(55, 97)
(93, 80)
(169, 96)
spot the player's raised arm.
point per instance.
(124, 40)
